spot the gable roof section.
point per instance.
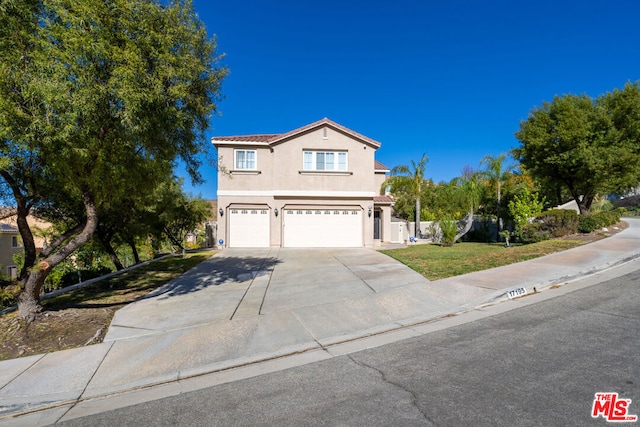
(272, 139)
(379, 167)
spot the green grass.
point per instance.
(123, 287)
(437, 262)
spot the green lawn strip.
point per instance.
(438, 262)
(118, 289)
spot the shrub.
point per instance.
(588, 223)
(533, 233)
(71, 277)
(449, 229)
(8, 296)
(593, 222)
(560, 222)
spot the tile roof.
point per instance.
(380, 167)
(383, 199)
(248, 138)
(274, 138)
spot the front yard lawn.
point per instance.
(437, 262)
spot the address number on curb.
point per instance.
(517, 292)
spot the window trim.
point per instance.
(15, 242)
(245, 150)
(314, 161)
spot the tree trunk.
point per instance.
(468, 223)
(28, 243)
(498, 219)
(584, 202)
(112, 254)
(29, 299)
(132, 245)
(418, 232)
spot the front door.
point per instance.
(376, 225)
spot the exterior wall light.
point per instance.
(221, 212)
(370, 211)
(275, 211)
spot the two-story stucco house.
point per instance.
(315, 186)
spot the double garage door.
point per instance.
(322, 228)
(302, 228)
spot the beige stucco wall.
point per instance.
(280, 167)
(379, 180)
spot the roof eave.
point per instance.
(217, 142)
(330, 123)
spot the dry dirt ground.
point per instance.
(64, 327)
(59, 328)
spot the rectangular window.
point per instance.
(308, 160)
(342, 161)
(320, 166)
(325, 161)
(12, 271)
(15, 242)
(245, 159)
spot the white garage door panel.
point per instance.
(249, 228)
(319, 228)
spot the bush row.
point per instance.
(552, 223)
(598, 220)
(561, 222)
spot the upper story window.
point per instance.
(15, 242)
(245, 159)
(325, 161)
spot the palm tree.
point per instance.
(410, 180)
(470, 186)
(497, 173)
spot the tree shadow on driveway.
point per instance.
(216, 271)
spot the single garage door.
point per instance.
(249, 228)
(323, 228)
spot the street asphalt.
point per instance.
(247, 312)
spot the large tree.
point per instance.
(588, 146)
(409, 181)
(96, 97)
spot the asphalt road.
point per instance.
(539, 365)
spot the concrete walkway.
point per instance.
(247, 312)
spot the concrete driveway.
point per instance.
(241, 283)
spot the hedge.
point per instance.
(598, 220)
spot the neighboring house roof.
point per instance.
(271, 139)
(571, 205)
(38, 226)
(6, 228)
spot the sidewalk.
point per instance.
(172, 342)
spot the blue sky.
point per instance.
(451, 78)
